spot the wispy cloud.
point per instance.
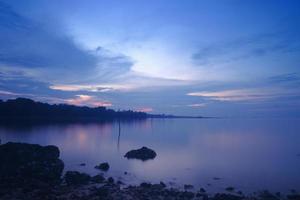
(27, 43)
(144, 109)
(252, 94)
(92, 88)
(285, 78)
(86, 100)
(8, 93)
(197, 105)
(247, 47)
(51, 52)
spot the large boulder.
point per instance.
(30, 161)
(143, 154)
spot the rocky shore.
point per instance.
(34, 172)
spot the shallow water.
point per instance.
(248, 154)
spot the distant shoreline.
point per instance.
(23, 109)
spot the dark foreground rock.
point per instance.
(143, 154)
(30, 175)
(30, 161)
(108, 190)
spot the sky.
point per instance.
(223, 58)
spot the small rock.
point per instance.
(267, 195)
(202, 190)
(125, 173)
(102, 192)
(97, 179)
(111, 180)
(145, 185)
(76, 178)
(163, 184)
(216, 178)
(143, 154)
(188, 187)
(229, 189)
(226, 197)
(82, 164)
(187, 195)
(293, 196)
(103, 166)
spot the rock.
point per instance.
(202, 190)
(102, 192)
(30, 161)
(163, 184)
(145, 185)
(125, 173)
(76, 178)
(188, 187)
(120, 182)
(103, 166)
(226, 197)
(293, 196)
(187, 195)
(143, 154)
(110, 180)
(229, 189)
(98, 179)
(266, 195)
(82, 164)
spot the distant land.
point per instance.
(27, 109)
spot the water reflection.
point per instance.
(246, 154)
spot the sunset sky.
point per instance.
(226, 58)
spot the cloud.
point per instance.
(240, 94)
(285, 78)
(247, 47)
(197, 105)
(92, 88)
(2, 92)
(27, 43)
(50, 52)
(144, 109)
(86, 100)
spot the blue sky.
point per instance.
(213, 58)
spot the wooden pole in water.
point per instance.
(118, 145)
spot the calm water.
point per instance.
(252, 154)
